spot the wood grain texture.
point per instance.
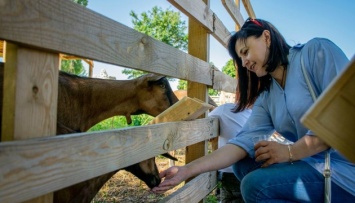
(48, 164)
(332, 116)
(30, 101)
(8, 109)
(36, 94)
(202, 14)
(194, 190)
(234, 12)
(184, 110)
(249, 8)
(53, 25)
(224, 82)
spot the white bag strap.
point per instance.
(326, 172)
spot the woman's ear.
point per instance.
(267, 38)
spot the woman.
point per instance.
(270, 171)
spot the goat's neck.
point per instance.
(95, 100)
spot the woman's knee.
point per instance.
(244, 166)
(252, 186)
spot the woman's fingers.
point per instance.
(171, 179)
(270, 153)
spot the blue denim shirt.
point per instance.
(282, 109)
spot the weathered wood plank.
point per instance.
(249, 8)
(2, 45)
(224, 82)
(202, 14)
(36, 94)
(31, 108)
(234, 12)
(52, 25)
(184, 110)
(8, 103)
(199, 45)
(48, 164)
(332, 116)
(195, 190)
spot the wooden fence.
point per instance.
(33, 162)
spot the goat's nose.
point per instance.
(155, 181)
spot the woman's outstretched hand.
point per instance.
(172, 177)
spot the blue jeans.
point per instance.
(285, 182)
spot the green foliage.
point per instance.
(74, 67)
(182, 85)
(211, 198)
(229, 68)
(212, 92)
(81, 2)
(165, 26)
(120, 122)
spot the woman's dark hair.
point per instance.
(249, 85)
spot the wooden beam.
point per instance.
(55, 28)
(224, 82)
(205, 17)
(30, 98)
(332, 116)
(184, 110)
(49, 164)
(249, 8)
(195, 190)
(2, 49)
(199, 47)
(234, 11)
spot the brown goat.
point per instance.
(83, 102)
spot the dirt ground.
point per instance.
(125, 187)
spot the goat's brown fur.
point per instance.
(83, 102)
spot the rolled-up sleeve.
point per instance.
(259, 123)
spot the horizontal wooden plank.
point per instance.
(249, 8)
(224, 82)
(197, 10)
(332, 116)
(234, 12)
(200, 12)
(48, 164)
(65, 27)
(184, 110)
(194, 190)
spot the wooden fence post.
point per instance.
(199, 47)
(30, 96)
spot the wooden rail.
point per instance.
(37, 32)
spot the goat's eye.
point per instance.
(162, 86)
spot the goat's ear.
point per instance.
(154, 77)
(169, 156)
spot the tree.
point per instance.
(229, 68)
(75, 66)
(81, 2)
(165, 26)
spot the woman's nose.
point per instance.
(245, 62)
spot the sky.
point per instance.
(298, 21)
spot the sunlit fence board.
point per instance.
(332, 116)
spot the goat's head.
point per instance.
(147, 171)
(154, 94)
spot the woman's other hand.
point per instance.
(270, 152)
